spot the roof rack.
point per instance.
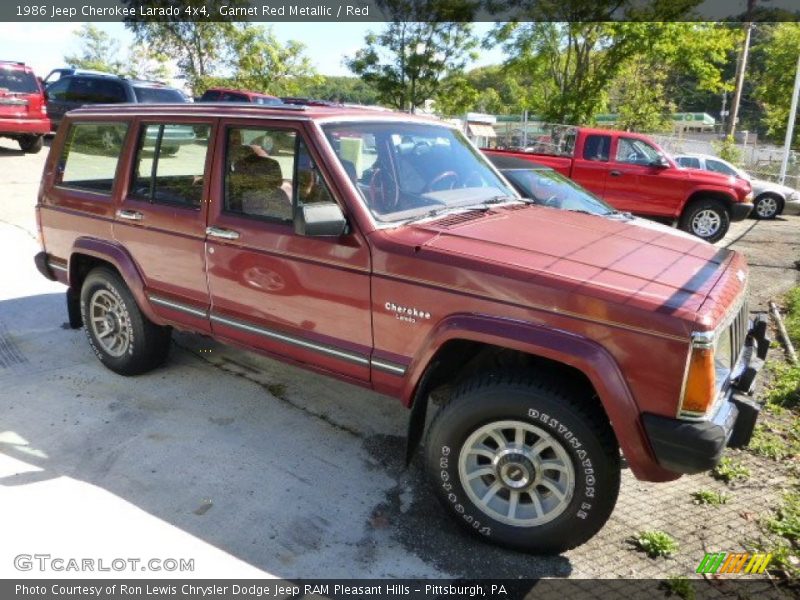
(13, 62)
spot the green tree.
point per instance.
(99, 51)
(426, 41)
(259, 61)
(575, 62)
(197, 47)
(775, 76)
(339, 89)
(145, 63)
(650, 84)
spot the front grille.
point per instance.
(739, 329)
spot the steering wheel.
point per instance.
(378, 198)
(473, 177)
(444, 175)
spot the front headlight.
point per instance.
(723, 357)
(749, 197)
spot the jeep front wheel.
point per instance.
(707, 219)
(124, 340)
(524, 463)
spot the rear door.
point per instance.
(302, 298)
(161, 219)
(590, 164)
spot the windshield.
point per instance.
(18, 81)
(152, 94)
(407, 170)
(547, 187)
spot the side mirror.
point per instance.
(320, 219)
(660, 163)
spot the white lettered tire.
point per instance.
(123, 338)
(524, 462)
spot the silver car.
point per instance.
(769, 199)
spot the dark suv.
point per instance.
(23, 116)
(385, 250)
(74, 91)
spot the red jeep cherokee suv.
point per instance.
(385, 250)
(23, 114)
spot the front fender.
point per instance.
(117, 256)
(587, 356)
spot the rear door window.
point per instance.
(18, 81)
(90, 156)
(170, 163)
(597, 147)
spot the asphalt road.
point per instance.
(255, 469)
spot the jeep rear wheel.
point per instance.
(708, 219)
(524, 462)
(124, 340)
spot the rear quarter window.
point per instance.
(90, 156)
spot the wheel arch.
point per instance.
(467, 336)
(708, 194)
(88, 253)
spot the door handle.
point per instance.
(130, 215)
(615, 173)
(225, 234)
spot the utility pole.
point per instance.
(741, 67)
(787, 144)
(723, 113)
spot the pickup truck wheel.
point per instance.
(707, 219)
(31, 144)
(524, 462)
(123, 339)
(767, 206)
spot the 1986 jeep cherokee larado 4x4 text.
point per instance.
(385, 250)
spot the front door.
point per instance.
(302, 298)
(162, 217)
(636, 183)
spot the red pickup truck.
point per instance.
(630, 172)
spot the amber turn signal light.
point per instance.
(700, 382)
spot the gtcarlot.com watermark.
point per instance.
(44, 563)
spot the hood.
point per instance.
(713, 178)
(646, 273)
(762, 185)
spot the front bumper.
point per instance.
(740, 210)
(695, 446)
(791, 207)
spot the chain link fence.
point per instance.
(761, 160)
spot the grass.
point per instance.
(776, 440)
(709, 497)
(730, 470)
(785, 388)
(681, 586)
(278, 390)
(782, 531)
(656, 543)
